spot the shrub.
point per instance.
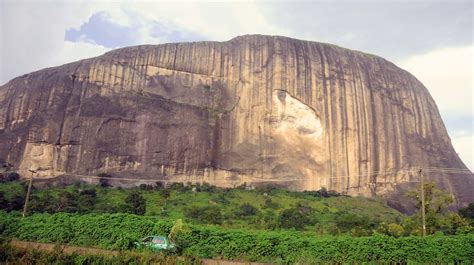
(270, 204)
(205, 214)
(246, 209)
(357, 224)
(468, 212)
(395, 230)
(293, 218)
(104, 179)
(135, 203)
(9, 176)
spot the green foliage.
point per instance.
(246, 209)
(438, 218)
(114, 231)
(205, 214)
(468, 212)
(293, 218)
(165, 193)
(14, 203)
(270, 204)
(135, 203)
(392, 229)
(70, 201)
(234, 208)
(355, 224)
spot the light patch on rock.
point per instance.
(292, 116)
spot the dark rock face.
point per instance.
(255, 109)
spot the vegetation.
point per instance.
(321, 212)
(468, 212)
(262, 208)
(12, 255)
(9, 176)
(118, 231)
(135, 203)
(263, 224)
(438, 218)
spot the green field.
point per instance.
(265, 224)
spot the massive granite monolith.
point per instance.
(255, 109)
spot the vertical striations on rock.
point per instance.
(255, 109)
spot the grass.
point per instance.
(324, 210)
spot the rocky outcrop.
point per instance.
(255, 109)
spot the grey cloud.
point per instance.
(173, 33)
(99, 29)
(390, 29)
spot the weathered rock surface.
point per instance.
(255, 109)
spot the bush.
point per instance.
(356, 224)
(468, 212)
(292, 218)
(104, 179)
(269, 204)
(135, 203)
(115, 231)
(9, 176)
(246, 209)
(179, 187)
(205, 214)
(391, 229)
(206, 187)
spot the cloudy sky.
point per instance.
(431, 39)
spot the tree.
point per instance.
(246, 209)
(269, 204)
(67, 202)
(87, 199)
(135, 203)
(165, 193)
(392, 229)
(468, 212)
(104, 180)
(3, 201)
(205, 214)
(438, 218)
(292, 218)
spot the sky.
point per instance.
(431, 39)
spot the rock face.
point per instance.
(255, 109)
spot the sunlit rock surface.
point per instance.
(255, 109)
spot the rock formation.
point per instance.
(255, 109)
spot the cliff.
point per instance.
(255, 109)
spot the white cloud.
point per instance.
(32, 32)
(216, 20)
(448, 75)
(464, 146)
(32, 35)
(74, 51)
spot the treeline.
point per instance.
(79, 200)
(119, 231)
(220, 210)
(207, 204)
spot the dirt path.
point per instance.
(64, 248)
(97, 251)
